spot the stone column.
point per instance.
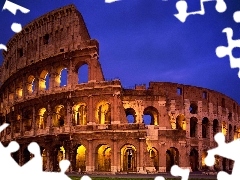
(90, 154)
(141, 155)
(115, 153)
(69, 117)
(90, 111)
(49, 119)
(162, 157)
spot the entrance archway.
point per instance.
(103, 158)
(81, 158)
(154, 158)
(128, 158)
(194, 159)
(172, 157)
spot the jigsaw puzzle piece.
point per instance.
(221, 6)
(157, 178)
(85, 177)
(177, 171)
(182, 15)
(236, 16)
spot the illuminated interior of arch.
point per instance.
(224, 128)
(153, 153)
(103, 113)
(128, 158)
(181, 122)
(41, 118)
(80, 114)
(61, 154)
(58, 117)
(104, 158)
(81, 158)
(43, 80)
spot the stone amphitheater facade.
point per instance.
(99, 125)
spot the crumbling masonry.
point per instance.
(99, 125)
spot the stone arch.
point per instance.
(19, 90)
(152, 112)
(59, 116)
(42, 118)
(27, 120)
(44, 80)
(205, 128)
(59, 154)
(31, 84)
(154, 156)
(194, 159)
(80, 158)
(181, 122)
(131, 115)
(193, 127)
(128, 158)
(103, 158)
(103, 112)
(172, 157)
(83, 73)
(193, 108)
(80, 114)
(61, 77)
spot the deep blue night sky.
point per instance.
(142, 41)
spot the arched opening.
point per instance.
(80, 114)
(59, 154)
(44, 80)
(42, 118)
(19, 90)
(103, 113)
(27, 120)
(81, 159)
(131, 115)
(194, 159)
(63, 77)
(150, 116)
(172, 158)
(193, 108)
(181, 122)
(215, 127)
(17, 124)
(44, 158)
(103, 158)
(193, 127)
(59, 116)
(128, 158)
(204, 155)
(153, 153)
(217, 163)
(224, 128)
(205, 128)
(83, 74)
(31, 84)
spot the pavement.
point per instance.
(199, 175)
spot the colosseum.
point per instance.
(98, 125)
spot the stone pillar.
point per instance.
(115, 109)
(34, 121)
(49, 118)
(115, 153)
(162, 157)
(69, 117)
(90, 154)
(141, 155)
(90, 112)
